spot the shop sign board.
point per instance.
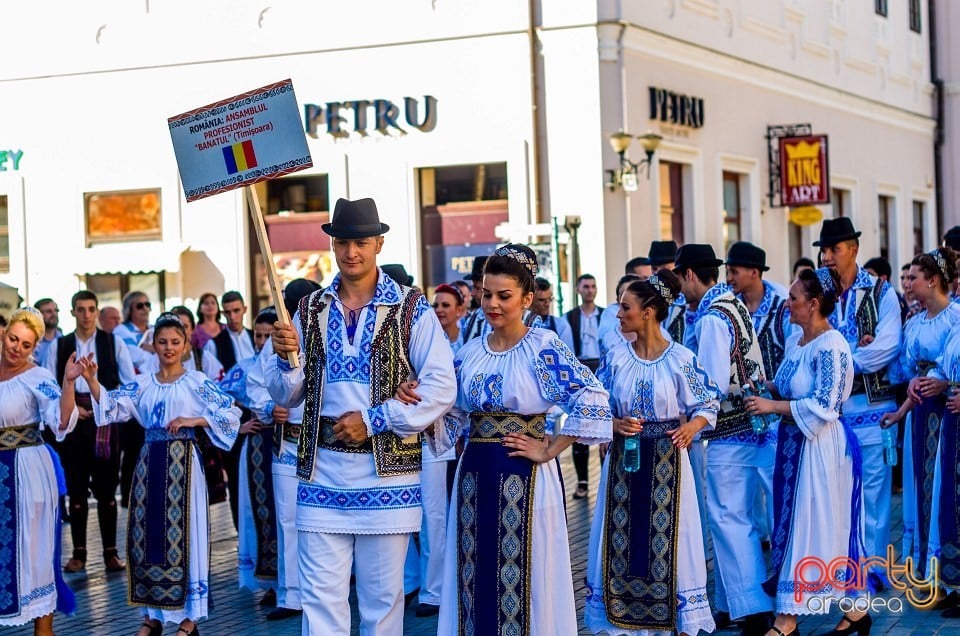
(676, 108)
(239, 141)
(804, 171)
(10, 160)
(806, 215)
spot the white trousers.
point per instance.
(424, 569)
(734, 475)
(877, 483)
(288, 574)
(698, 464)
(325, 564)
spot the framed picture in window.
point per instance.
(126, 215)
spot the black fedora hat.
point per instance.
(398, 273)
(697, 255)
(835, 231)
(951, 238)
(477, 272)
(354, 220)
(747, 254)
(662, 252)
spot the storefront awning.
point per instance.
(129, 258)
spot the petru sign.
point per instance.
(382, 115)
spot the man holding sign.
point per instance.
(359, 453)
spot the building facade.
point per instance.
(468, 123)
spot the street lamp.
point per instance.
(626, 175)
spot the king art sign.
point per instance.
(804, 171)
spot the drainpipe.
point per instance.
(536, 111)
(938, 105)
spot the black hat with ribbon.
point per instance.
(355, 220)
(745, 254)
(662, 252)
(835, 231)
(693, 255)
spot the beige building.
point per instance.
(469, 123)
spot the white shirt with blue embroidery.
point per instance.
(666, 388)
(154, 405)
(924, 340)
(28, 530)
(346, 495)
(536, 374)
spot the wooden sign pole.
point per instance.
(267, 253)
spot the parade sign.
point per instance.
(239, 141)
(804, 171)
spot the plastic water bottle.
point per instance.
(889, 445)
(631, 453)
(760, 423)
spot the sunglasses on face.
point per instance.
(142, 305)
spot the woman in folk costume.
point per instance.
(509, 569)
(817, 487)
(168, 543)
(924, 339)
(257, 527)
(947, 482)
(31, 584)
(646, 571)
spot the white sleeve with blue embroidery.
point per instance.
(432, 362)
(830, 368)
(287, 385)
(697, 394)
(119, 405)
(223, 419)
(566, 382)
(47, 394)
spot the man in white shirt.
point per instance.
(542, 306)
(584, 321)
(91, 455)
(51, 329)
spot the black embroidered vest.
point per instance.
(745, 363)
(389, 366)
(876, 385)
(772, 339)
(678, 326)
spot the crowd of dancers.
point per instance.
(410, 448)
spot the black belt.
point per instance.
(328, 440)
(14, 437)
(291, 432)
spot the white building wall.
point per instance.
(89, 91)
(859, 78)
(97, 121)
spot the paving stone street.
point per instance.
(102, 607)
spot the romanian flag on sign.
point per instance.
(239, 157)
